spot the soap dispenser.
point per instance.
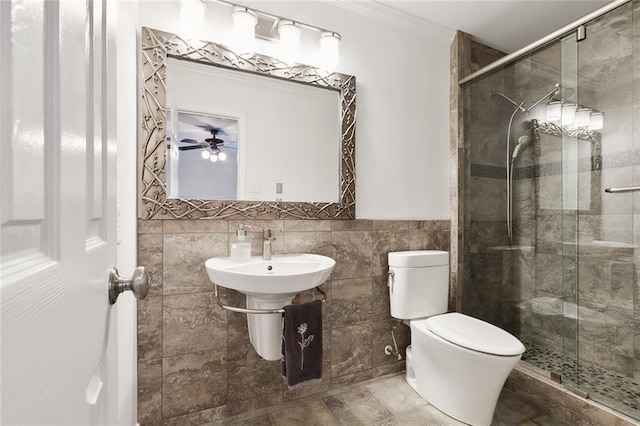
(240, 249)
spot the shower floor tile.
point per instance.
(386, 401)
(610, 388)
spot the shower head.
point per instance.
(522, 140)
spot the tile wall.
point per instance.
(466, 57)
(195, 362)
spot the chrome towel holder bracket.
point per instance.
(257, 311)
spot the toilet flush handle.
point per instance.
(392, 274)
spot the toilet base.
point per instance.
(410, 374)
(462, 383)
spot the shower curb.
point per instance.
(562, 402)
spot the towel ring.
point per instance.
(257, 311)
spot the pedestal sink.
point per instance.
(269, 285)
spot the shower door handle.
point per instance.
(622, 189)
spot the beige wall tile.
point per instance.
(150, 256)
(149, 391)
(352, 225)
(350, 349)
(194, 226)
(150, 328)
(353, 252)
(149, 226)
(308, 242)
(193, 323)
(193, 382)
(351, 302)
(307, 225)
(183, 261)
(384, 242)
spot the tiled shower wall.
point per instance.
(573, 243)
(195, 362)
(530, 281)
(466, 57)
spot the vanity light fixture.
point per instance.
(569, 114)
(573, 117)
(289, 40)
(192, 18)
(244, 28)
(596, 121)
(329, 50)
(582, 117)
(554, 111)
(252, 24)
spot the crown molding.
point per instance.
(390, 15)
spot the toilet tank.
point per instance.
(418, 283)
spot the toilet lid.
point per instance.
(474, 334)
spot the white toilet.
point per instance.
(457, 363)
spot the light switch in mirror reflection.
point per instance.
(274, 134)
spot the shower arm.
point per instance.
(520, 106)
(552, 92)
(508, 99)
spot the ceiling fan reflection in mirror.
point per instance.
(210, 145)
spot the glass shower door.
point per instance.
(601, 306)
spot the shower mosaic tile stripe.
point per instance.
(616, 390)
(594, 163)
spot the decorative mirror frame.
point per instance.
(157, 46)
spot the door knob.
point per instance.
(138, 284)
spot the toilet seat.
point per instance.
(471, 333)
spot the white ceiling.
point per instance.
(506, 25)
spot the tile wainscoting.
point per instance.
(195, 361)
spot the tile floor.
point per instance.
(385, 401)
(610, 388)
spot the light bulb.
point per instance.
(214, 157)
(582, 117)
(244, 29)
(596, 121)
(222, 156)
(205, 154)
(192, 18)
(554, 111)
(289, 41)
(569, 114)
(329, 50)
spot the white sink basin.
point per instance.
(284, 274)
(269, 285)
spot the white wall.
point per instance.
(402, 154)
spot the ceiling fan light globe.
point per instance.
(205, 154)
(213, 158)
(222, 156)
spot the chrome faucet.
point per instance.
(267, 239)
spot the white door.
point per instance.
(58, 212)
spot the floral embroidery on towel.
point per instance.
(302, 328)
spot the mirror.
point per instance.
(244, 130)
(296, 164)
